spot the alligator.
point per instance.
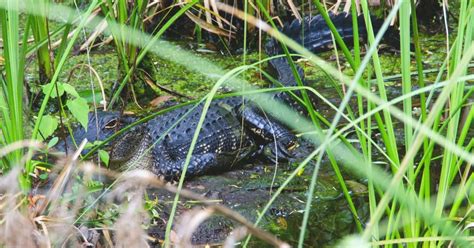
(234, 129)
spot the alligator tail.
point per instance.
(314, 34)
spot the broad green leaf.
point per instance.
(104, 157)
(80, 110)
(53, 142)
(47, 88)
(91, 95)
(47, 126)
(89, 145)
(70, 90)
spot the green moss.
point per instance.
(194, 84)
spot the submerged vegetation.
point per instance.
(392, 130)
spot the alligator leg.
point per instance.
(198, 165)
(280, 140)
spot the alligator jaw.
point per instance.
(131, 151)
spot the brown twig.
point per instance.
(60, 183)
(151, 83)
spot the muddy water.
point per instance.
(247, 190)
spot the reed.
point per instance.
(11, 96)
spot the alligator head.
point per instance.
(132, 150)
(101, 126)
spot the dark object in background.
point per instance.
(430, 16)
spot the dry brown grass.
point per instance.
(50, 215)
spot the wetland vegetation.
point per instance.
(387, 150)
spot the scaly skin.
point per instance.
(227, 137)
(220, 142)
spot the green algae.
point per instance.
(84, 72)
(194, 84)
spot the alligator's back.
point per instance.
(219, 130)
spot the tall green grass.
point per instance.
(419, 202)
(126, 14)
(130, 55)
(398, 209)
(16, 50)
(11, 96)
(40, 31)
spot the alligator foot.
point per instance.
(198, 165)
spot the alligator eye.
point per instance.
(111, 124)
(292, 145)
